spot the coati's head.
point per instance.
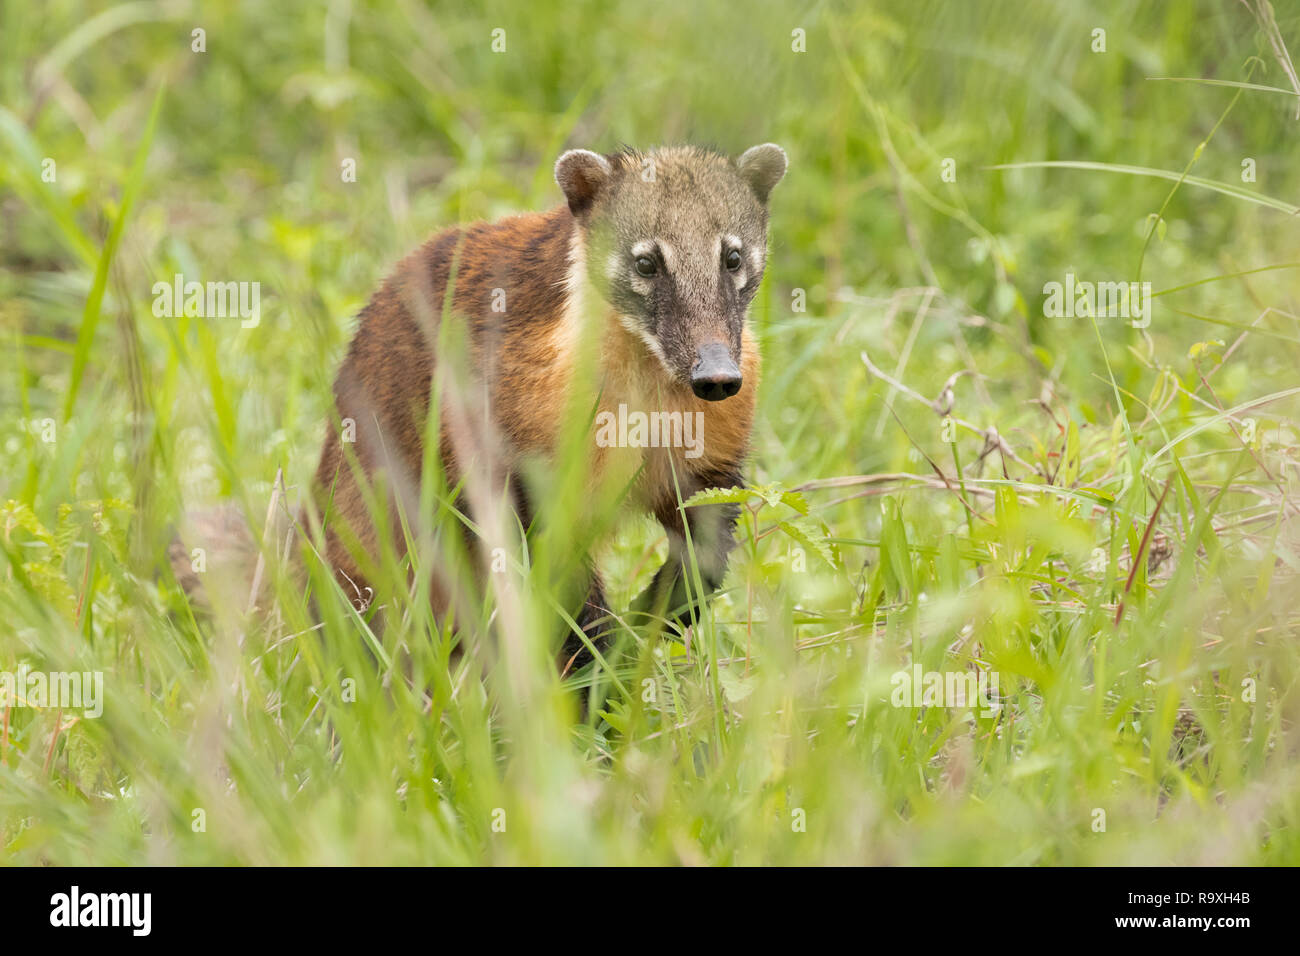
(676, 242)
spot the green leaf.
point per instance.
(1228, 189)
(816, 538)
(719, 496)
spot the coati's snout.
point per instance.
(675, 240)
(715, 375)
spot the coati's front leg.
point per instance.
(593, 618)
(597, 624)
(674, 591)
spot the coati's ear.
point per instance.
(762, 167)
(581, 174)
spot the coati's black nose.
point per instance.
(715, 375)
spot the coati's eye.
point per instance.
(645, 266)
(732, 260)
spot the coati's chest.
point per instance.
(644, 421)
(643, 417)
(647, 423)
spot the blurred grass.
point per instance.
(1079, 445)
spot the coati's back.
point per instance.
(382, 389)
(503, 280)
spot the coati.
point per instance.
(666, 249)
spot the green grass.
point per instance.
(1108, 523)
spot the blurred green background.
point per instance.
(781, 708)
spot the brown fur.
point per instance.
(385, 380)
(513, 399)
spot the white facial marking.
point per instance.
(669, 255)
(575, 276)
(640, 284)
(568, 332)
(634, 326)
(740, 276)
(616, 267)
